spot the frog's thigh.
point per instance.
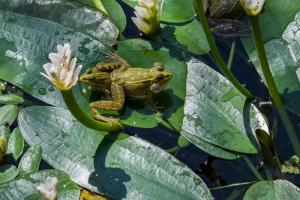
(117, 102)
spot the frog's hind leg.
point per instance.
(116, 104)
(116, 58)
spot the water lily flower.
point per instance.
(48, 189)
(252, 7)
(147, 17)
(61, 71)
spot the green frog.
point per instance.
(116, 79)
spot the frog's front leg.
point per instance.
(149, 101)
(116, 104)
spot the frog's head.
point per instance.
(93, 76)
(160, 78)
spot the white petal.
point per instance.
(55, 58)
(60, 49)
(76, 75)
(141, 24)
(50, 69)
(140, 12)
(72, 64)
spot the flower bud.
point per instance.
(147, 17)
(252, 7)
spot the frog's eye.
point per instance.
(158, 66)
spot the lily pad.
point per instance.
(217, 113)
(25, 187)
(31, 30)
(121, 168)
(188, 37)
(172, 10)
(283, 55)
(275, 190)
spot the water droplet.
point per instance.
(84, 50)
(42, 91)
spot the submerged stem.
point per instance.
(272, 86)
(79, 114)
(252, 168)
(216, 54)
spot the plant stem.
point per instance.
(81, 116)
(233, 185)
(272, 86)
(252, 168)
(216, 54)
(264, 62)
(231, 56)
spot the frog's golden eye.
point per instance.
(158, 66)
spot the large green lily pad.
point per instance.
(122, 168)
